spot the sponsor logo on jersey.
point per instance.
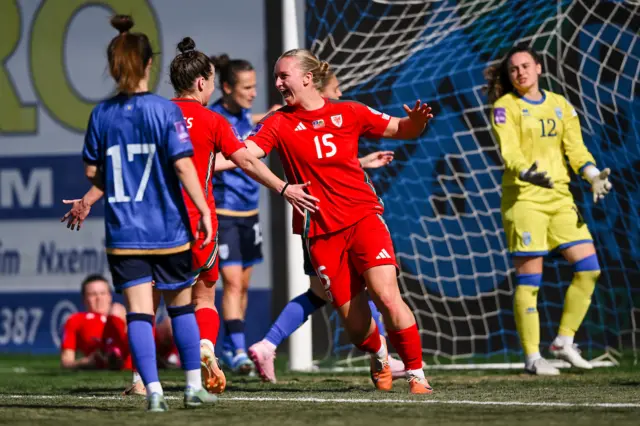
(337, 120)
(383, 255)
(559, 113)
(256, 129)
(500, 115)
(526, 238)
(318, 123)
(299, 127)
(525, 113)
(181, 129)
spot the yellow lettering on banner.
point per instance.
(48, 68)
(15, 117)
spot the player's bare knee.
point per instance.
(204, 299)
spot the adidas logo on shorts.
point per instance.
(383, 255)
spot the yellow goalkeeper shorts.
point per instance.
(533, 228)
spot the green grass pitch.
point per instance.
(33, 390)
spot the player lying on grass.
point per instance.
(536, 129)
(298, 310)
(349, 244)
(97, 338)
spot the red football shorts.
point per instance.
(340, 258)
(205, 260)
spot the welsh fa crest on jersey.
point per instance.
(337, 120)
(559, 113)
(526, 238)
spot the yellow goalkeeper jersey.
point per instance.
(546, 131)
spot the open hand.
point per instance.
(420, 114)
(376, 159)
(535, 177)
(600, 185)
(299, 199)
(78, 213)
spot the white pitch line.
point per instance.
(357, 401)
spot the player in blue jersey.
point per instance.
(536, 129)
(237, 197)
(298, 310)
(137, 150)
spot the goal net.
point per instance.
(442, 192)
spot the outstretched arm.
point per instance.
(255, 168)
(223, 164)
(376, 159)
(411, 126)
(80, 208)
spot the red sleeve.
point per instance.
(265, 134)
(227, 139)
(70, 330)
(373, 123)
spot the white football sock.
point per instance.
(562, 341)
(209, 344)
(155, 387)
(530, 359)
(415, 373)
(194, 379)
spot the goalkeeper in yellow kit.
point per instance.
(536, 129)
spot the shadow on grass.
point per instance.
(66, 407)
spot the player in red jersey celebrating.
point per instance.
(349, 244)
(192, 76)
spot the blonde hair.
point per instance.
(308, 62)
(325, 81)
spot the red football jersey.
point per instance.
(83, 332)
(210, 133)
(321, 147)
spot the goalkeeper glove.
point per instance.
(536, 178)
(599, 180)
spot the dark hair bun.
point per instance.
(122, 23)
(186, 45)
(220, 61)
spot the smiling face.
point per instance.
(291, 82)
(524, 72)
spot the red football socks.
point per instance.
(209, 323)
(408, 345)
(372, 343)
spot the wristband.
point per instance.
(284, 189)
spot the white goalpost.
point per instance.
(300, 342)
